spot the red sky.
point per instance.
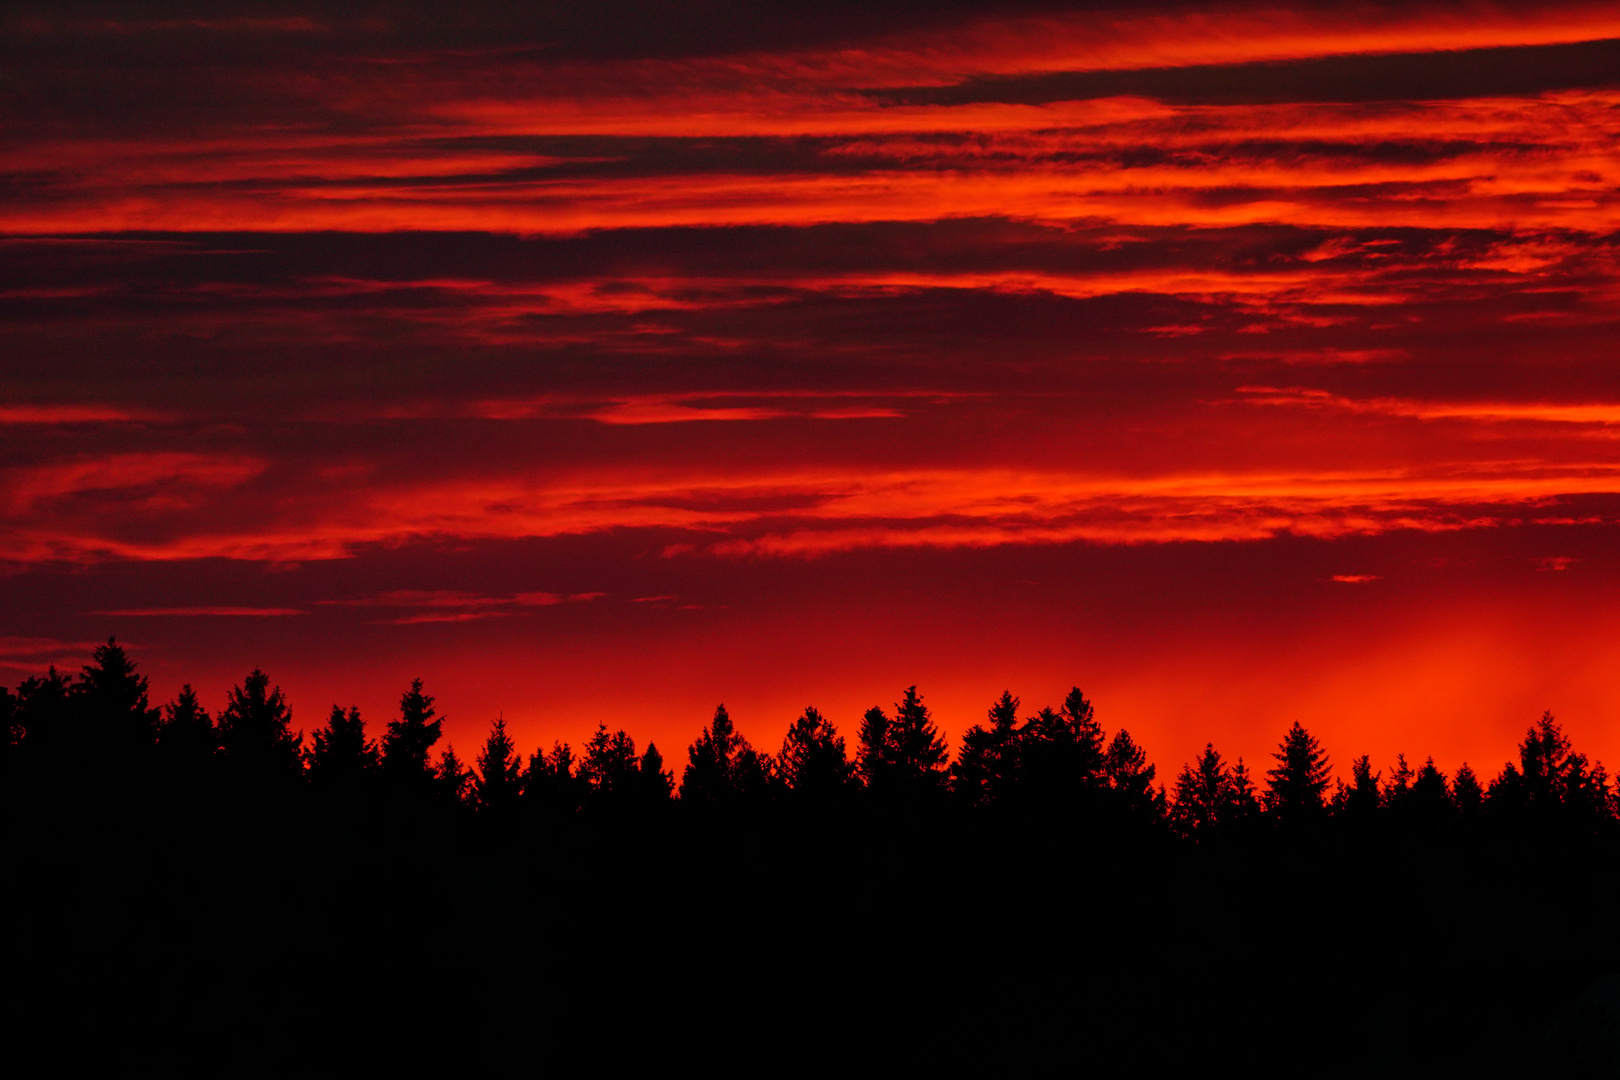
(1237, 363)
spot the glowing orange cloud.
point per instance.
(1551, 412)
(816, 513)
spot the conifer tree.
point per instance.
(872, 753)
(1087, 735)
(1296, 784)
(1601, 801)
(112, 702)
(1466, 792)
(1062, 763)
(1399, 785)
(1430, 798)
(408, 741)
(1505, 799)
(813, 762)
(255, 735)
(1544, 763)
(186, 737)
(48, 738)
(341, 757)
(987, 765)
(1130, 778)
(657, 784)
(610, 767)
(1202, 796)
(722, 767)
(1552, 783)
(917, 754)
(500, 767)
(550, 787)
(451, 781)
(974, 766)
(1245, 803)
(1363, 797)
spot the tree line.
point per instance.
(99, 730)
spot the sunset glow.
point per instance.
(1240, 364)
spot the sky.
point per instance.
(1237, 363)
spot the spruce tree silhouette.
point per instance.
(1551, 787)
(813, 764)
(1557, 779)
(1364, 796)
(1245, 804)
(50, 742)
(1594, 803)
(1545, 763)
(1062, 761)
(451, 781)
(1553, 790)
(872, 749)
(916, 754)
(551, 791)
(611, 771)
(1430, 801)
(407, 743)
(1202, 799)
(722, 769)
(987, 764)
(498, 784)
(1294, 793)
(1398, 787)
(342, 760)
(256, 741)
(1506, 800)
(119, 723)
(1467, 793)
(1130, 778)
(656, 783)
(1086, 733)
(186, 739)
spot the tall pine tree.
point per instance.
(551, 790)
(916, 753)
(341, 758)
(813, 764)
(1130, 779)
(1296, 785)
(722, 769)
(409, 740)
(499, 781)
(256, 739)
(186, 738)
(120, 724)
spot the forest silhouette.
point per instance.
(1044, 896)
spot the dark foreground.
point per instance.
(293, 943)
(222, 895)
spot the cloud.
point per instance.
(788, 514)
(77, 414)
(34, 654)
(1039, 248)
(452, 606)
(1547, 412)
(217, 610)
(1351, 76)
